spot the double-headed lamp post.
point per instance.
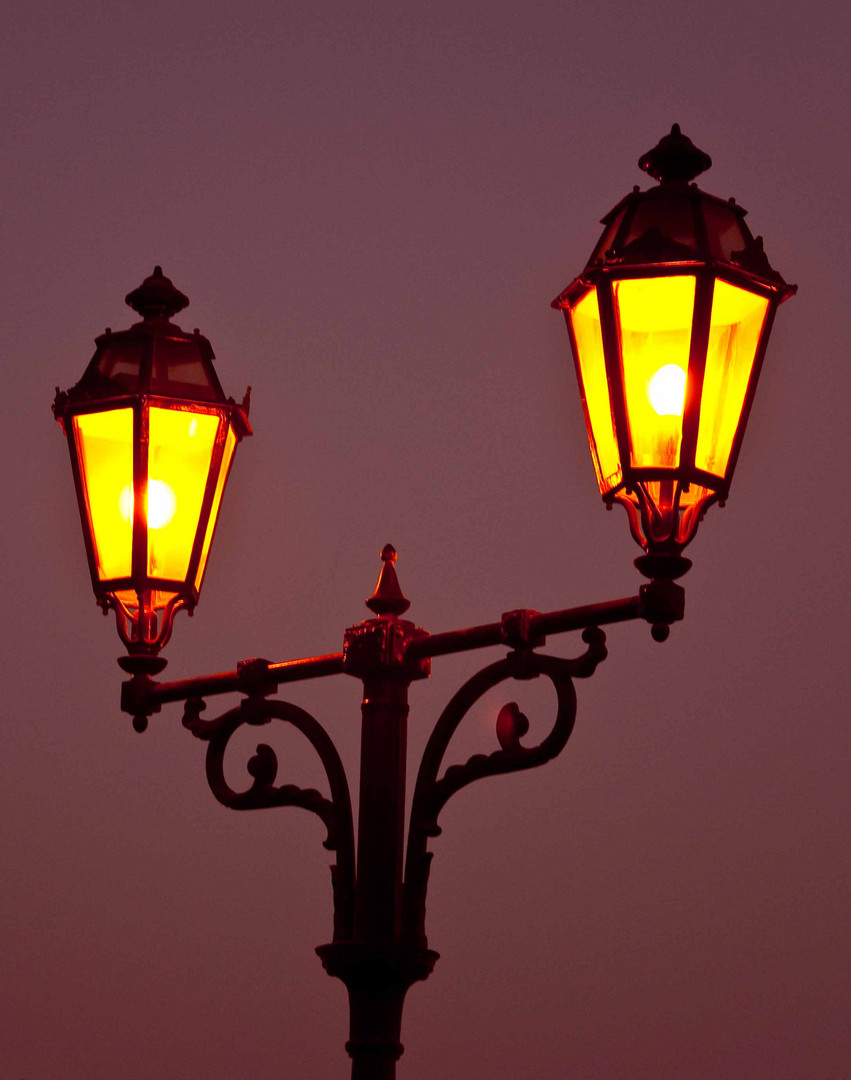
(668, 325)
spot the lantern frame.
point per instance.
(123, 374)
(689, 233)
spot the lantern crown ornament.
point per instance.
(668, 324)
(152, 438)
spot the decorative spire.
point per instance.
(388, 598)
(674, 157)
(156, 297)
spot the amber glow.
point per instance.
(105, 442)
(585, 320)
(180, 449)
(737, 320)
(654, 322)
(666, 390)
(230, 446)
(160, 503)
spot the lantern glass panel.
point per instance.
(737, 320)
(122, 365)
(723, 229)
(230, 446)
(178, 368)
(585, 320)
(670, 218)
(105, 446)
(654, 323)
(179, 455)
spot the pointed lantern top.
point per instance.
(157, 297)
(674, 157)
(388, 598)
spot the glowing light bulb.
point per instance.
(162, 503)
(666, 390)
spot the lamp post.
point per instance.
(668, 325)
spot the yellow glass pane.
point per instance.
(105, 445)
(179, 451)
(585, 320)
(654, 322)
(737, 320)
(230, 446)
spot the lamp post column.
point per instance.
(378, 981)
(381, 809)
(377, 965)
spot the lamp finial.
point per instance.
(388, 598)
(674, 157)
(157, 297)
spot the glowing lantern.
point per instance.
(152, 438)
(668, 323)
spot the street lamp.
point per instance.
(152, 437)
(668, 324)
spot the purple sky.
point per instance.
(371, 207)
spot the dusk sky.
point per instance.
(371, 206)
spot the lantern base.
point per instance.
(142, 664)
(660, 566)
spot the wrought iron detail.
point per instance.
(144, 629)
(335, 813)
(432, 793)
(658, 532)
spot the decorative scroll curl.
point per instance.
(431, 794)
(335, 813)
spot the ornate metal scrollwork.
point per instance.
(335, 813)
(431, 794)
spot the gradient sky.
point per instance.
(371, 206)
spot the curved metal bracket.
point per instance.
(335, 813)
(431, 794)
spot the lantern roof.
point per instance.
(675, 157)
(677, 225)
(157, 297)
(154, 356)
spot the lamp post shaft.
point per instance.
(381, 810)
(377, 963)
(375, 1025)
(378, 966)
